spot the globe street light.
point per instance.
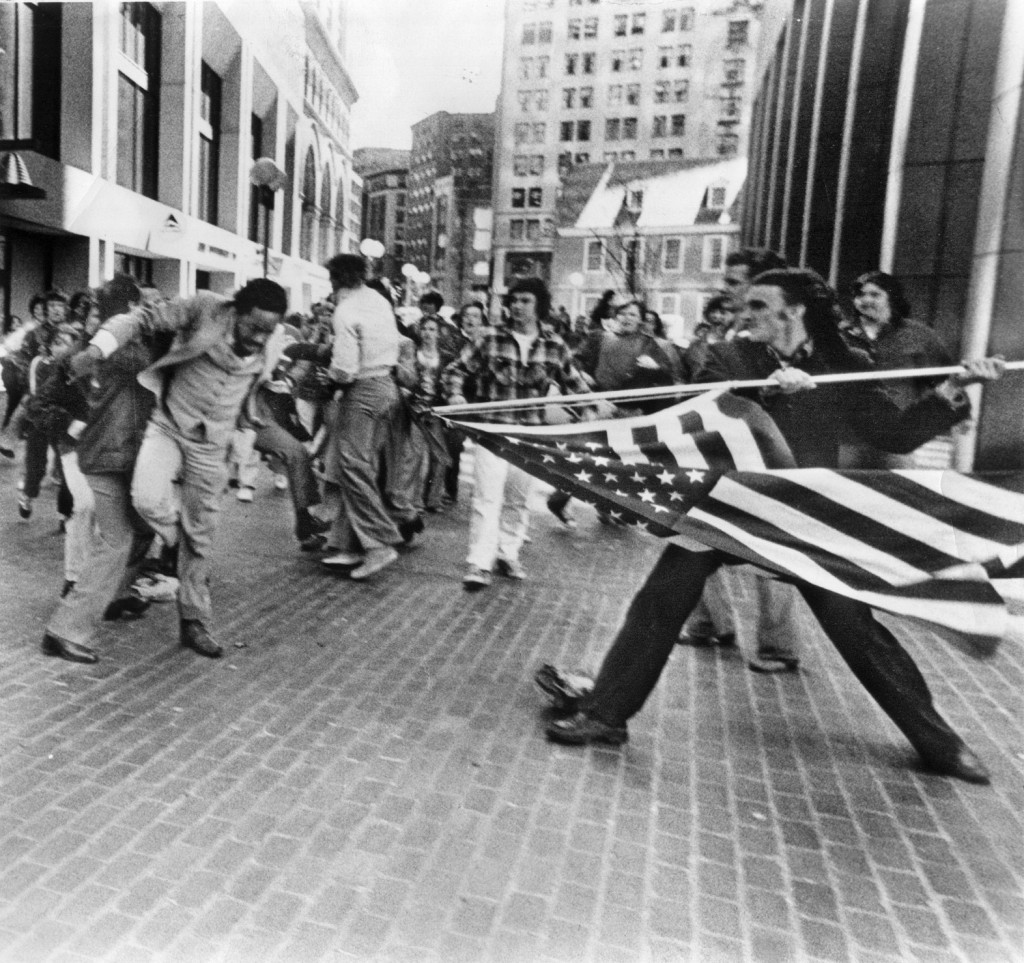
(268, 179)
(371, 248)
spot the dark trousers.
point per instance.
(273, 440)
(15, 381)
(641, 649)
(37, 448)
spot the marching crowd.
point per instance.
(153, 408)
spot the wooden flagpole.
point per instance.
(672, 391)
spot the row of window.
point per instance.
(624, 128)
(622, 60)
(527, 197)
(626, 25)
(528, 229)
(668, 252)
(664, 92)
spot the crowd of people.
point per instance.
(147, 410)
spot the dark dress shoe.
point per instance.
(564, 689)
(313, 543)
(964, 765)
(582, 729)
(129, 607)
(410, 528)
(64, 649)
(69, 584)
(196, 636)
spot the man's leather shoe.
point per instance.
(195, 635)
(476, 578)
(410, 528)
(581, 729)
(72, 651)
(313, 543)
(510, 569)
(129, 607)
(564, 689)
(374, 560)
(964, 765)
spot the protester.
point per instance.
(799, 315)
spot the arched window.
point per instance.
(339, 218)
(325, 217)
(307, 237)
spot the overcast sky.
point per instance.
(410, 58)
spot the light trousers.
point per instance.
(78, 528)
(177, 489)
(500, 514)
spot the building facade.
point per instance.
(593, 81)
(450, 173)
(385, 175)
(891, 135)
(657, 230)
(141, 122)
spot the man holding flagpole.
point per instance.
(795, 315)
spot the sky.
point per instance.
(410, 58)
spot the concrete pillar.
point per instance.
(181, 49)
(106, 15)
(235, 114)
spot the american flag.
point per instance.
(716, 469)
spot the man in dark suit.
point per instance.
(795, 317)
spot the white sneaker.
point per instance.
(476, 578)
(245, 495)
(374, 560)
(343, 559)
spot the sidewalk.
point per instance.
(365, 776)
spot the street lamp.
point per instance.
(268, 179)
(409, 272)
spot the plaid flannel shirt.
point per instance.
(497, 372)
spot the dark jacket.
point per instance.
(60, 400)
(814, 422)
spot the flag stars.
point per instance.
(583, 476)
(574, 459)
(600, 461)
(646, 496)
(695, 476)
(675, 497)
(666, 477)
(609, 477)
(637, 477)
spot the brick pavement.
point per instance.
(367, 778)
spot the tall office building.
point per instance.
(140, 123)
(591, 81)
(385, 174)
(891, 135)
(450, 174)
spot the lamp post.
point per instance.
(410, 272)
(372, 250)
(268, 179)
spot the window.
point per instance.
(544, 32)
(633, 94)
(734, 70)
(589, 62)
(683, 55)
(522, 133)
(618, 61)
(621, 25)
(629, 128)
(542, 67)
(519, 165)
(516, 229)
(614, 95)
(593, 257)
(138, 105)
(564, 163)
(737, 33)
(668, 304)
(728, 144)
(572, 63)
(519, 197)
(678, 125)
(661, 92)
(536, 164)
(634, 199)
(533, 230)
(627, 155)
(209, 142)
(590, 28)
(525, 66)
(686, 19)
(657, 154)
(583, 130)
(713, 257)
(535, 197)
(611, 129)
(586, 96)
(568, 97)
(672, 254)
(575, 28)
(664, 57)
(659, 127)
(731, 107)
(636, 58)
(582, 158)
(523, 97)
(639, 23)
(255, 152)
(716, 198)
(529, 33)
(610, 155)
(681, 91)
(540, 133)
(540, 99)
(668, 21)
(675, 152)
(566, 130)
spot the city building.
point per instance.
(141, 123)
(449, 197)
(658, 230)
(385, 173)
(890, 135)
(592, 82)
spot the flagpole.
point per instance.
(672, 391)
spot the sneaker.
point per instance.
(582, 729)
(245, 495)
(476, 578)
(343, 560)
(24, 506)
(510, 569)
(281, 483)
(374, 560)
